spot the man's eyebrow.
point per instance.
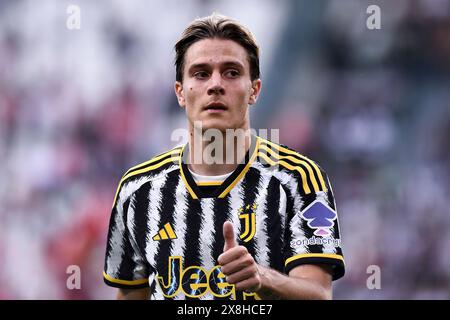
(197, 66)
(233, 64)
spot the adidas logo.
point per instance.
(165, 233)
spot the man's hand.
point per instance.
(237, 264)
(304, 281)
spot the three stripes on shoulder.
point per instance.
(311, 175)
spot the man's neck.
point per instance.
(211, 158)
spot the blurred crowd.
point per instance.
(79, 107)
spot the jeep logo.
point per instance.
(195, 282)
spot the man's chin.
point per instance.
(215, 125)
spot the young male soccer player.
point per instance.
(262, 226)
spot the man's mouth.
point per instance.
(215, 107)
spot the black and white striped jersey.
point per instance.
(166, 230)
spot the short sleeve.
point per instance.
(125, 267)
(312, 235)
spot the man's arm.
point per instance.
(133, 294)
(304, 281)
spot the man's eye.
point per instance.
(200, 74)
(232, 73)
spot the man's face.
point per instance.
(217, 88)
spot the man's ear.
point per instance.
(180, 93)
(256, 89)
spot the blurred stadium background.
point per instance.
(78, 107)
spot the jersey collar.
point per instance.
(224, 188)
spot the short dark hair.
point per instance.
(221, 27)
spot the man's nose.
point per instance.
(216, 86)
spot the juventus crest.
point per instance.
(247, 218)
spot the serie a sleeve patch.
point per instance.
(320, 218)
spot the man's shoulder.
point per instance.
(155, 164)
(154, 168)
(283, 152)
(292, 165)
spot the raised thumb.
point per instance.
(228, 236)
